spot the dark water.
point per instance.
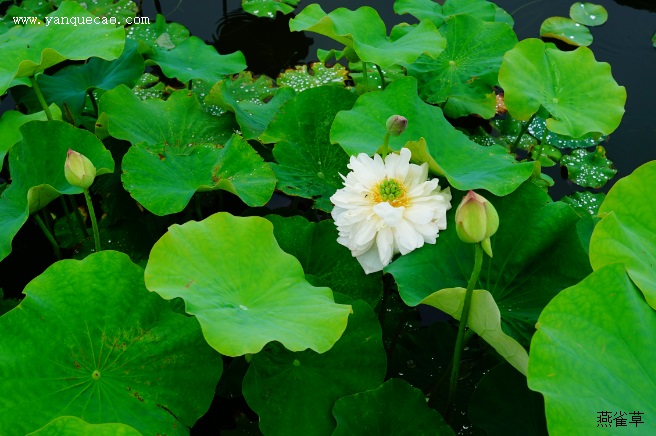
(624, 41)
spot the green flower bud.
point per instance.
(476, 221)
(78, 170)
(396, 125)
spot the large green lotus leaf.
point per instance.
(268, 8)
(579, 92)
(159, 34)
(308, 165)
(74, 426)
(164, 179)
(537, 253)
(71, 84)
(393, 408)
(566, 30)
(315, 246)
(89, 341)
(363, 33)
(466, 164)
(32, 48)
(589, 14)
(472, 57)
(301, 77)
(293, 393)
(590, 169)
(193, 59)
(484, 319)
(254, 101)
(430, 10)
(244, 290)
(626, 232)
(503, 405)
(179, 121)
(10, 124)
(36, 165)
(594, 352)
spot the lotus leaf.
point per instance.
(268, 8)
(74, 426)
(589, 14)
(430, 10)
(159, 34)
(589, 169)
(301, 78)
(566, 30)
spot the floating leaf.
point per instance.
(484, 319)
(331, 264)
(539, 124)
(179, 121)
(293, 393)
(10, 124)
(566, 30)
(37, 168)
(579, 92)
(626, 232)
(254, 101)
(430, 10)
(308, 164)
(301, 78)
(243, 289)
(503, 405)
(70, 84)
(268, 8)
(119, 9)
(393, 408)
(163, 179)
(589, 14)
(585, 203)
(364, 34)
(193, 59)
(536, 254)
(32, 48)
(68, 353)
(466, 164)
(589, 169)
(159, 34)
(72, 425)
(468, 67)
(594, 352)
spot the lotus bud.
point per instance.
(396, 125)
(78, 170)
(476, 221)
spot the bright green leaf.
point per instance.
(566, 30)
(626, 232)
(163, 179)
(590, 169)
(243, 289)
(268, 8)
(159, 34)
(589, 14)
(466, 164)
(430, 10)
(301, 78)
(73, 426)
(293, 393)
(579, 92)
(69, 353)
(594, 351)
(119, 9)
(308, 165)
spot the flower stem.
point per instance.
(478, 263)
(385, 149)
(49, 236)
(522, 133)
(93, 101)
(94, 223)
(39, 96)
(365, 78)
(382, 76)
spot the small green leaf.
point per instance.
(119, 9)
(163, 179)
(308, 165)
(159, 34)
(293, 393)
(566, 30)
(72, 425)
(268, 8)
(585, 203)
(594, 352)
(589, 14)
(243, 289)
(589, 169)
(539, 124)
(579, 92)
(301, 78)
(393, 408)
(68, 353)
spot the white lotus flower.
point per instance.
(387, 208)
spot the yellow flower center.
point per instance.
(391, 191)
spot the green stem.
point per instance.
(94, 223)
(69, 222)
(42, 100)
(382, 76)
(94, 103)
(49, 236)
(365, 77)
(522, 133)
(385, 149)
(478, 263)
(78, 216)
